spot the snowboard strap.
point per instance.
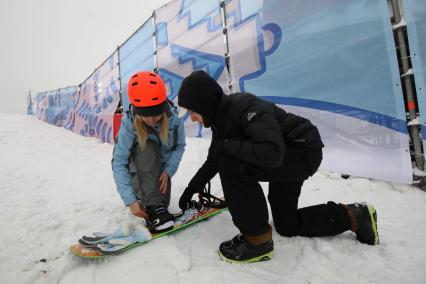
(209, 200)
(206, 200)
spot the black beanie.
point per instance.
(200, 93)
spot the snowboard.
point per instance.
(100, 245)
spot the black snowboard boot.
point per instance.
(364, 222)
(159, 219)
(247, 249)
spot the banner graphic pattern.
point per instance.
(334, 62)
(99, 98)
(331, 61)
(136, 54)
(61, 108)
(40, 105)
(30, 105)
(188, 38)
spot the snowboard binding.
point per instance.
(206, 199)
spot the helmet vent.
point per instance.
(152, 74)
(135, 84)
(153, 82)
(134, 76)
(154, 99)
(137, 100)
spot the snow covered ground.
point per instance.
(56, 186)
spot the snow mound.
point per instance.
(57, 186)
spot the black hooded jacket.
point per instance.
(244, 126)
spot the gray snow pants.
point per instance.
(145, 170)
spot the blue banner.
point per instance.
(30, 110)
(40, 104)
(334, 62)
(136, 54)
(331, 61)
(61, 108)
(189, 37)
(98, 101)
(56, 107)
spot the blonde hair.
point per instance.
(142, 130)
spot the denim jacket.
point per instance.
(170, 154)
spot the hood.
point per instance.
(201, 93)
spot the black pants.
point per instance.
(247, 203)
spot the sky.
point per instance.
(51, 44)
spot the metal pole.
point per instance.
(29, 103)
(225, 38)
(154, 42)
(411, 98)
(120, 94)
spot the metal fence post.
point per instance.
(408, 87)
(225, 38)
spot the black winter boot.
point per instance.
(240, 250)
(364, 222)
(159, 219)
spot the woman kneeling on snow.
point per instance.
(148, 150)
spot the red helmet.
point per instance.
(146, 89)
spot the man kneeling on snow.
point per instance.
(254, 140)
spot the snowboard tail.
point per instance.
(101, 245)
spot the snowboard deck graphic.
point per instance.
(94, 251)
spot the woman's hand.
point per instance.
(164, 179)
(137, 210)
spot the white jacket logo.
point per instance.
(250, 116)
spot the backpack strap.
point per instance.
(175, 137)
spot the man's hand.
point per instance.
(185, 198)
(164, 179)
(137, 210)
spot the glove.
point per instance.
(185, 198)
